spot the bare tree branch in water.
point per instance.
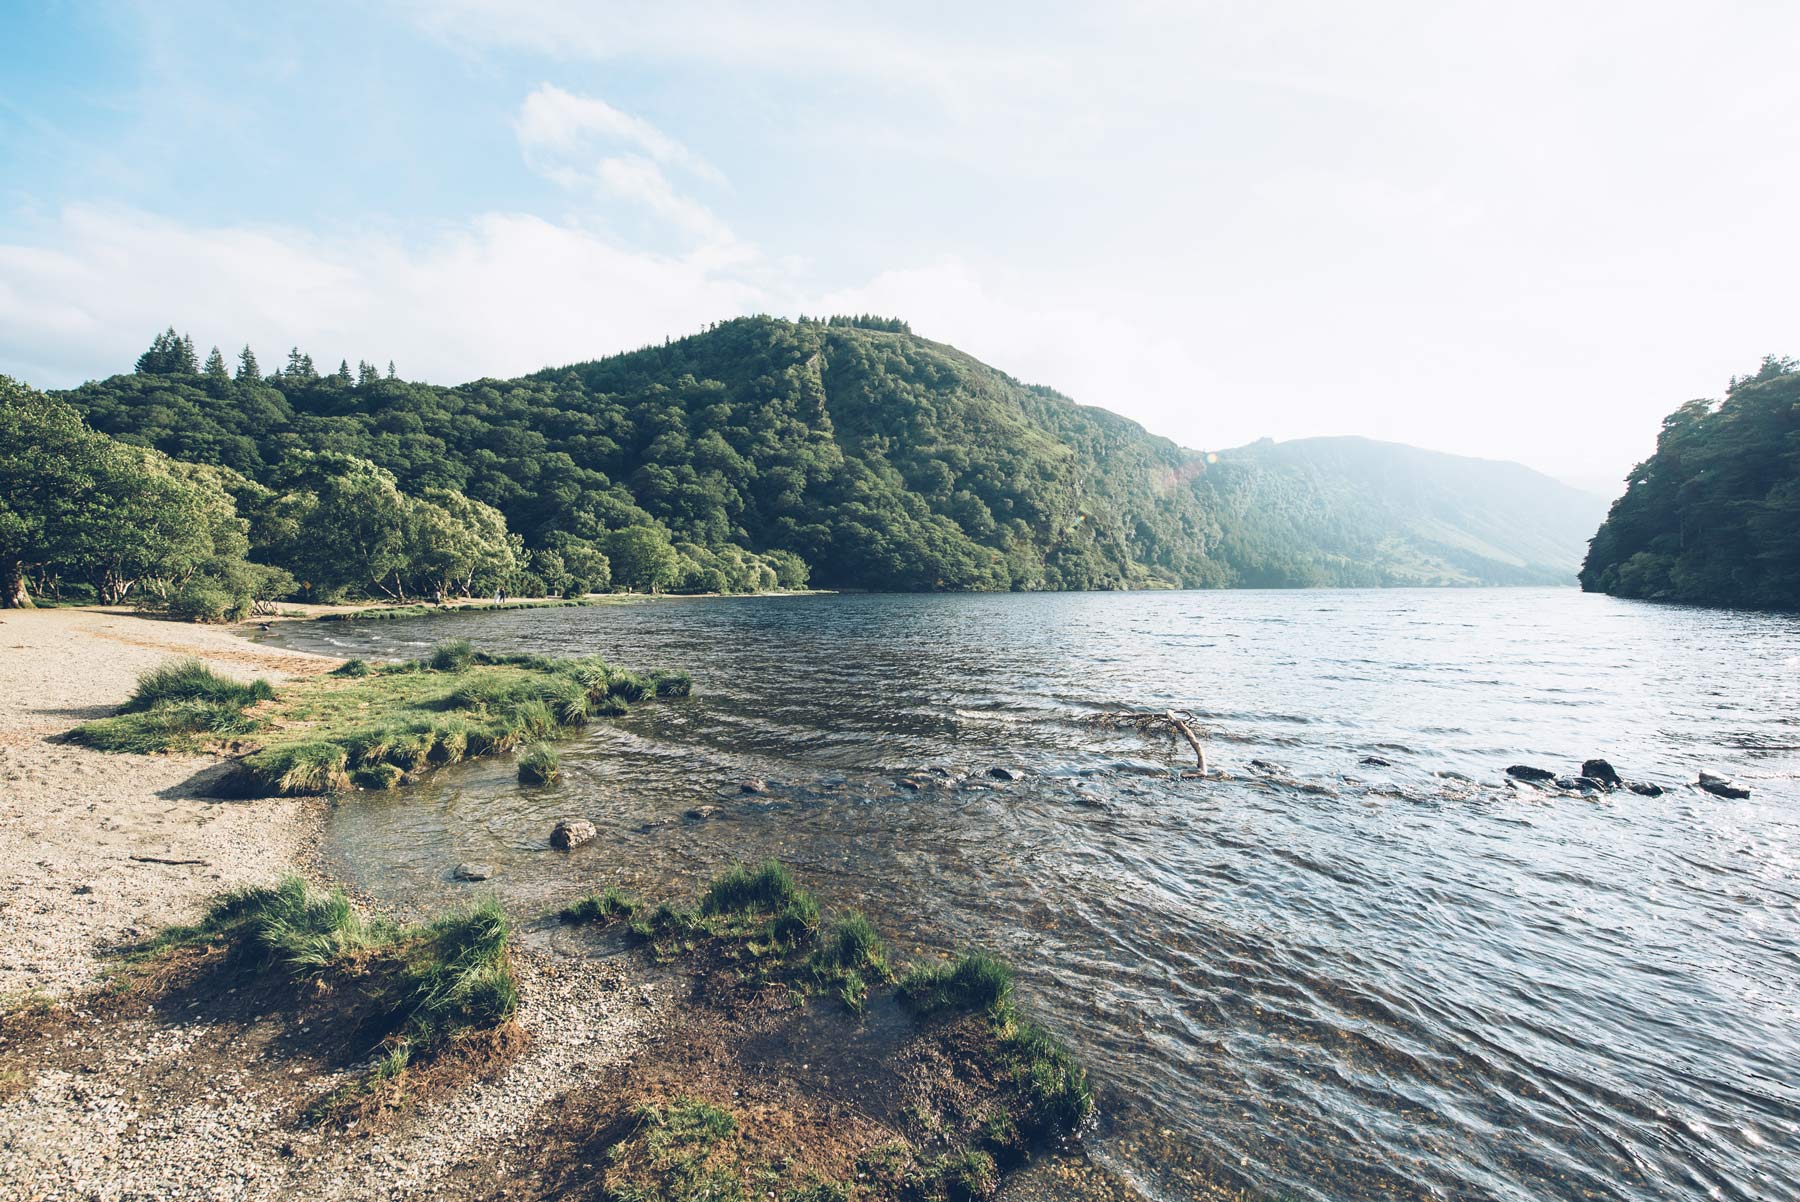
(1171, 723)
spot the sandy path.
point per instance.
(71, 818)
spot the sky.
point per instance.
(1523, 231)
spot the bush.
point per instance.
(190, 680)
(205, 600)
(540, 764)
(351, 667)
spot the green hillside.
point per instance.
(1354, 511)
(877, 458)
(1713, 516)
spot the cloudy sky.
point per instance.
(1515, 230)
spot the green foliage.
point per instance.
(540, 764)
(668, 683)
(1713, 516)
(351, 667)
(453, 656)
(769, 887)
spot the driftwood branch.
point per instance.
(1169, 723)
(160, 860)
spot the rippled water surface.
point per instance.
(1310, 978)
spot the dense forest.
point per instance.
(1713, 516)
(766, 453)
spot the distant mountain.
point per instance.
(1713, 516)
(1354, 511)
(882, 459)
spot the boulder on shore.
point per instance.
(1718, 786)
(1601, 771)
(572, 832)
(1527, 772)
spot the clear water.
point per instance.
(1313, 979)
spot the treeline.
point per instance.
(1713, 516)
(84, 516)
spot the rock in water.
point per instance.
(1601, 771)
(1645, 789)
(473, 872)
(701, 813)
(572, 832)
(1375, 761)
(1527, 772)
(1006, 774)
(755, 784)
(1718, 786)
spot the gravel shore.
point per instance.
(106, 1101)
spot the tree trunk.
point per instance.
(13, 594)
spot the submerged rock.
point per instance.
(701, 813)
(1375, 761)
(572, 832)
(1527, 772)
(1718, 786)
(910, 782)
(473, 872)
(1646, 789)
(1266, 766)
(755, 784)
(1601, 771)
(1579, 784)
(1005, 774)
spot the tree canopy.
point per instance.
(1713, 516)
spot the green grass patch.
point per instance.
(689, 1151)
(601, 907)
(973, 982)
(365, 726)
(413, 988)
(540, 764)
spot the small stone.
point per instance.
(1375, 761)
(998, 773)
(701, 813)
(911, 782)
(1718, 786)
(572, 832)
(1527, 772)
(473, 872)
(1646, 789)
(755, 784)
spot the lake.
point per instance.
(1311, 977)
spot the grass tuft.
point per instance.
(351, 667)
(601, 907)
(457, 655)
(188, 679)
(973, 982)
(540, 764)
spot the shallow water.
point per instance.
(1312, 979)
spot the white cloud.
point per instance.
(499, 295)
(562, 124)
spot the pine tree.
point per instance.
(215, 366)
(299, 366)
(391, 374)
(343, 372)
(186, 362)
(366, 373)
(248, 372)
(164, 355)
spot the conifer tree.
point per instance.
(366, 373)
(248, 372)
(215, 366)
(186, 362)
(391, 374)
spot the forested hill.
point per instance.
(1713, 516)
(1354, 511)
(881, 459)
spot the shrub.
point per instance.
(540, 764)
(351, 667)
(188, 679)
(453, 656)
(205, 600)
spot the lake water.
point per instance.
(1307, 978)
